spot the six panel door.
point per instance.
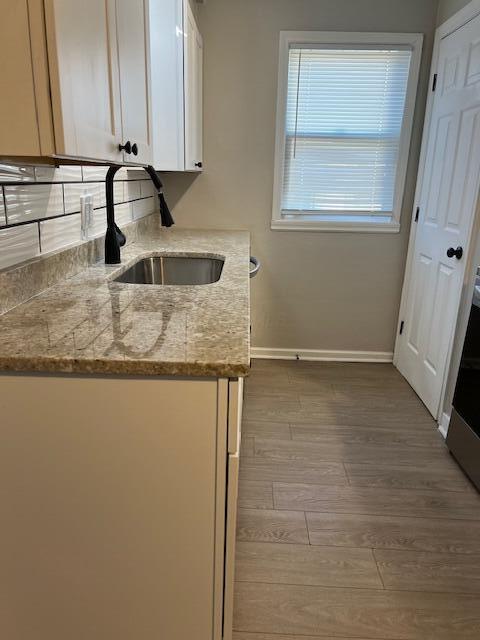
(448, 202)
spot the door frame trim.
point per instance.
(457, 21)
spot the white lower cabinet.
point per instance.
(118, 507)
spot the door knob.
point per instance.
(199, 164)
(127, 147)
(457, 253)
(135, 149)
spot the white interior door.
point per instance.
(448, 203)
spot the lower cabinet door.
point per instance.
(231, 526)
(107, 508)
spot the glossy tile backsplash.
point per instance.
(24, 203)
(40, 206)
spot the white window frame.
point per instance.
(342, 222)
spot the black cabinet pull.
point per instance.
(135, 149)
(457, 253)
(127, 147)
(199, 164)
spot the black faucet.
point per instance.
(114, 238)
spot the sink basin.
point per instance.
(173, 270)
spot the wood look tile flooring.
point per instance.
(354, 521)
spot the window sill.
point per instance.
(366, 224)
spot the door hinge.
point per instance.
(434, 85)
(417, 213)
(402, 324)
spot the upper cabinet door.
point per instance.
(19, 108)
(193, 94)
(84, 73)
(134, 62)
(168, 119)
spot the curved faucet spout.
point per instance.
(166, 216)
(114, 238)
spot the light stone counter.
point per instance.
(91, 325)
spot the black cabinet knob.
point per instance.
(199, 164)
(457, 253)
(127, 147)
(135, 149)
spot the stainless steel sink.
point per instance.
(173, 270)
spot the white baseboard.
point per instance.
(321, 355)
(443, 424)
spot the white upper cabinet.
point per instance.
(88, 80)
(134, 64)
(193, 94)
(19, 130)
(177, 91)
(83, 59)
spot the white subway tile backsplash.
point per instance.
(94, 174)
(98, 225)
(143, 208)
(131, 174)
(11, 173)
(3, 220)
(26, 202)
(72, 193)
(41, 196)
(132, 190)
(63, 173)
(136, 174)
(18, 244)
(123, 213)
(123, 216)
(60, 232)
(118, 192)
(147, 189)
(96, 189)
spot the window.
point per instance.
(344, 119)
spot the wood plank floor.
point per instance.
(354, 521)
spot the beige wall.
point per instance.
(316, 290)
(447, 8)
(195, 6)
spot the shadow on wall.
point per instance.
(176, 185)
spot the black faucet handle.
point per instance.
(127, 147)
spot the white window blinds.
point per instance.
(345, 110)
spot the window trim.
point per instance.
(340, 222)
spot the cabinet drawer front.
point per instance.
(235, 407)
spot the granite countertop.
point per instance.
(91, 325)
